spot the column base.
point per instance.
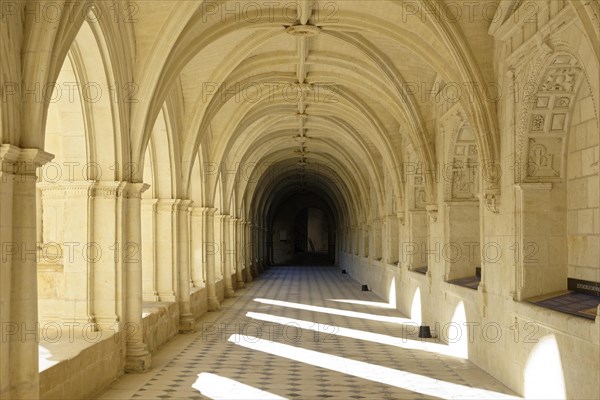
(22, 391)
(213, 304)
(138, 360)
(186, 323)
(229, 293)
(241, 284)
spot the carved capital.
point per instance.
(491, 198)
(402, 217)
(134, 190)
(184, 205)
(432, 212)
(18, 161)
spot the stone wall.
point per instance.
(499, 327)
(582, 202)
(161, 323)
(84, 373)
(50, 286)
(198, 302)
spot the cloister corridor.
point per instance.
(194, 194)
(307, 333)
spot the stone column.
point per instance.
(266, 247)
(19, 376)
(246, 251)
(393, 240)
(355, 240)
(223, 221)
(237, 255)
(198, 278)
(540, 222)
(259, 248)
(186, 319)
(137, 357)
(254, 249)
(414, 249)
(67, 230)
(166, 253)
(209, 250)
(366, 240)
(258, 237)
(149, 264)
(376, 251)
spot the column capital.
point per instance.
(108, 189)
(185, 205)
(401, 217)
(18, 161)
(432, 211)
(208, 211)
(132, 190)
(168, 205)
(196, 211)
(223, 217)
(69, 189)
(149, 203)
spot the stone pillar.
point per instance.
(376, 240)
(186, 319)
(393, 239)
(224, 248)
(355, 240)
(197, 228)
(540, 222)
(246, 251)
(254, 249)
(259, 248)
(19, 376)
(67, 230)
(461, 230)
(414, 249)
(366, 240)
(149, 264)
(166, 252)
(265, 247)
(137, 358)
(237, 256)
(209, 250)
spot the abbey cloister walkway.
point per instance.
(307, 332)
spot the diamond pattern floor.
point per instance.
(285, 337)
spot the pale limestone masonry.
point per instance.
(147, 148)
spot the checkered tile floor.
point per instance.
(285, 337)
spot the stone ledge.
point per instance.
(566, 324)
(78, 368)
(160, 322)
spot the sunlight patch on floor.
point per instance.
(364, 303)
(388, 376)
(400, 342)
(334, 311)
(220, 388)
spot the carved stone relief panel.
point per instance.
(545, 157)
(549, 120)
(461, 172)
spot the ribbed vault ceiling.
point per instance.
(323, 95)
